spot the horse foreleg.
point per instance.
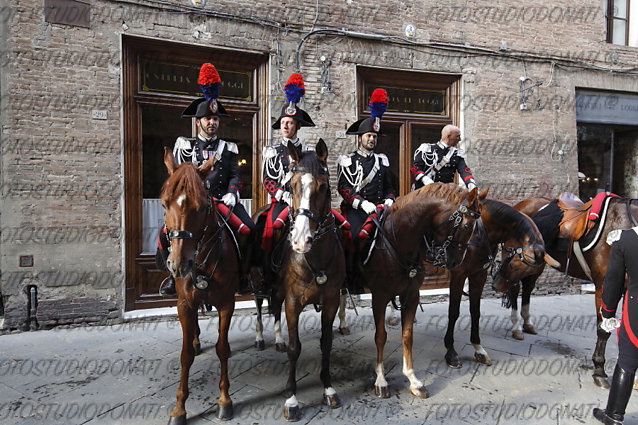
(259, 325)
(408, 311)
(291, 407)
(330, 306)
(187, 319)
(225, 404)
(528, 286)
(477, 282)
(456, 291)
(380, 336)
(517, 326)
(280, 344)
(343, 327)
(600, 377)
(197, 345)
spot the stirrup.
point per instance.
(167, 288)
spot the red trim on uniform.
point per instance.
(625, 321)
(341, 220)
(466, 178)
(266, 236)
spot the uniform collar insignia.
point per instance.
(294, 141)
(364, 153)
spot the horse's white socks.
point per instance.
(380, 382)
(277, 328)
(259, 330)
(291, 402)
(342, 311)
(478, 348)
(525, 314)
(329, 392)
(409, 373)
(516, 324)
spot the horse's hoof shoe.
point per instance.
(483, 359)
(225, 412)
(529, 329)
(177, 420)
(420, 392)
(281, 347)
(601, 381)
(517, 335)
(332, 401)
(453, 361)
(260, 345)
(344, 331)
(292, 414)
(198, 349)
(382, 392)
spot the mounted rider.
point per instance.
(364, 179)
(437, 162)
(276, 173)
(223, 180)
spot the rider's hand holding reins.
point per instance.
(368, 207)
(229, 199)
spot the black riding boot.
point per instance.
(619, 393)
(167, 287)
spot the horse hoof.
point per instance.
(382, 392)
(344, 331)
(292, 414)
(420, 392)
(225, 412)
(483, 359)
(601, 381)
(529, 329)
(393, 321)
(281, 347)
(177, 420)
(332, 401)
(453, 361)
(198, 349)
(517, 335)
(260, 345)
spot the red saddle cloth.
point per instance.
(368, 225)
(597, 202)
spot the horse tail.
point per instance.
(509, 298)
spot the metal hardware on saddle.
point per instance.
(412, 272)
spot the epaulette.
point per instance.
(384, 159)
(423, 147)
(269, 152)
(183, 143)
(613, 236)
(461, 153)
(232, 147)
(345, 160)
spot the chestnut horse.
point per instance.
(523, 254)
(204, 262)
(620, 215)
(313, 268)
(430, 224)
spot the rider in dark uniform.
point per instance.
(363, 176)
(275, 167)
(622, 259)
(223, 180)
(437, 162)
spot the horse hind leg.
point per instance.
(330, 397)
(343, 327)
(292, 411)
(380, 336)
(517, 326)
(280, 344)
(259, 326)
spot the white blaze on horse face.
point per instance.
(180, 200)
(301, 235)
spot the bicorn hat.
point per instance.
(209, 105)
(378, 104)
(294, 90)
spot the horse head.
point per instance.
(310, 187)
(186, 207)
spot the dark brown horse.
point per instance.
(619, 215)
(523, 254)
(205, 263)
(313, 268)
(433, 223)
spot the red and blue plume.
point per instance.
(209, 81)
(294, 88)
(378, 103)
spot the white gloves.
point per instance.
(424, 179)
(470, 186)
(368, 207)
(388, 202)
(229, 199)
(610, 324)
(287, 198)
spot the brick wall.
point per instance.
(61, 170)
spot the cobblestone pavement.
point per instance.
(128, 373)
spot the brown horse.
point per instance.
(433, 223)
(523, 254)
(313, 268)
(620, 215)
(205, 263)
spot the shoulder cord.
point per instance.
(276, 166)
(355, 178)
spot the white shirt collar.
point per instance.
(295, 141)
(364, 153)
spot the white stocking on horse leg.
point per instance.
(381, 385)
(417, 387)
(517, 327)
(481, 356)
(280, 345)
(259, 334)
(528, 326)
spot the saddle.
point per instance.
(575, 222)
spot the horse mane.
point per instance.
(184, 180)
(448, 191)
(518, 221)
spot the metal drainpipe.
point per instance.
(32, 320)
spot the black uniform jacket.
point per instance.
(275, 167)
(364, 177)
(623, 257)
(430, 164)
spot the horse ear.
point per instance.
(205, 168)
(472, 197)
(169, 161)
(483, 193)
(551, 261)
(294, 151)
(322, 150)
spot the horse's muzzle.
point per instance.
(179, 269)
